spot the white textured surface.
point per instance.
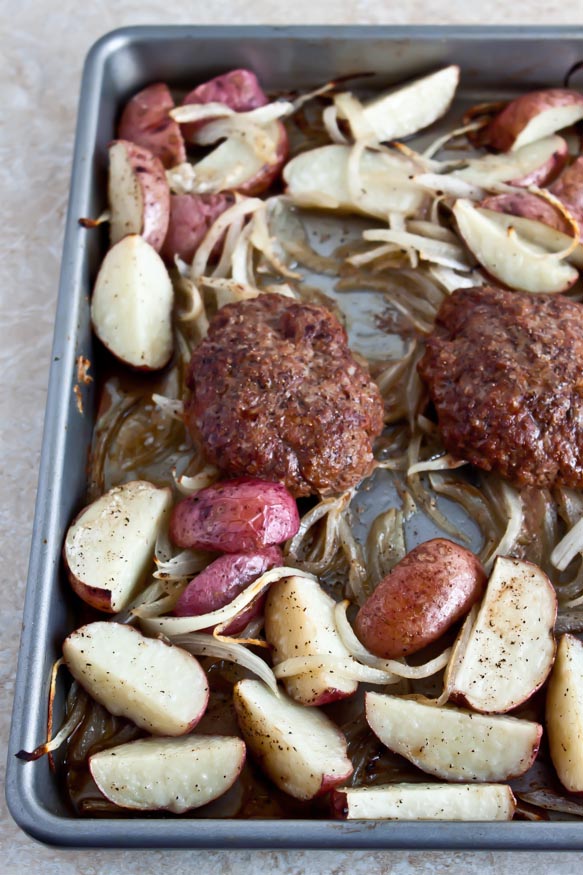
(42, 46)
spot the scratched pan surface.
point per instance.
(496, 63)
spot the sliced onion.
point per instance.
(513, 508)
(189, 485)
(243, 207)
(569, 621)
(330, 119)
(350, 108)
(181, 178)
(395, 667)
(451, 280)
(171, 626)
(223, 266)
(201, 644)
(346, 668)
(440, 142)
(437, 251)
(433, 230)
(171, 406)
(263, 242)
(241, 259)
(229, 291)
(568, 547)
(552, 801)
(446, 462)
(67, 728)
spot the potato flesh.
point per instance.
(171, 774)
(162, 688)
(547, 122)
(319, 178)
(132, 301)
(299, 621)
(564, 713)
(110, 545)
(534, 231)
(451, 743)
(468, 802)
(517, 264)
(545, 156)
(125, 195)
(300, 749)
(412, 107)
(232, 165)
(510, 649)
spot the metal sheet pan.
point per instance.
(495, 62)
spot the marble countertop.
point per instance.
(41, 53)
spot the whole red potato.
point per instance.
(235, 516)
(428, 590)
(222, 581)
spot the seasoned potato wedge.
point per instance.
(508, 652)
(300, 749)
(131, 308)
(111, 543)
(564, 713)
(299, 621)
(533, 116)
(168, 774)
(139, 196)
(425, 802)
(162, 688)
(452, 743)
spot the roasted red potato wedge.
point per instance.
(564, 713)
(301, 750)
(534, 116)
(191, 216)
(145, 121)
(425, 802)
(168, 774)
(110, 545)
(432, 587)
(235, 516)
(222, 581)
(162, 688)
(138, 193)
(131, 307)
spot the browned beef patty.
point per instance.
(275, 392)
(505, 373)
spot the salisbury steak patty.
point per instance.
(505, 372)
(276, 393)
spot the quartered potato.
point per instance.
(564, 713)
(138, 194)
(162, 688)
(110, 545)
(533, 116)
(168, 774)
(506, 654)
(299, 621)
(301, 750)
(425, 802)
(451, 743)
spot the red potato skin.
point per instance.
(569, 189)
(238, 89)
(155, 192)
(222, 581)
(527, 206)
(507, 125)
(145, 121)
(339, 804)
(265, 177)
(191, 216)
(425, 593)
(235, 516)
(549, 170)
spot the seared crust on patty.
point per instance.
(505, 373)
(276, 393)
